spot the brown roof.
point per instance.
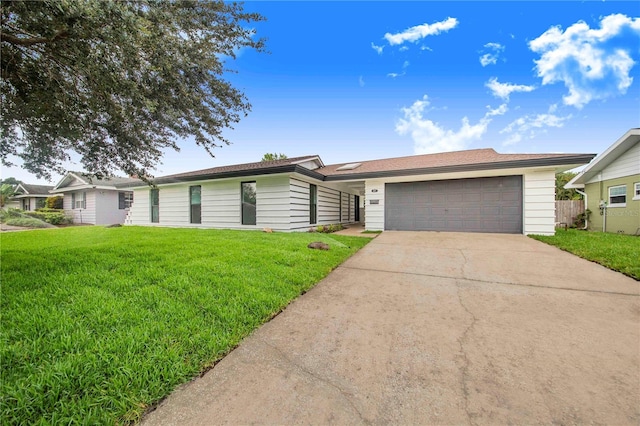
(444, 159)
(242, 167)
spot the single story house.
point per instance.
(29, 197)
(95, 201)
(476, 190)
(611, 186)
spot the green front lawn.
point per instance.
(615, 251)
(99, 323)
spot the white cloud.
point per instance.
(504, 90)
(404, 48)
(488, 59)
(395, 74)
(430, 137)
(592, 63)
(418, 32)
(377, 48)
(491, 58)
(531, 125)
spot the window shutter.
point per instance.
(73, 200)
(121, 205)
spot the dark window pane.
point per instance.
(313, 204)
(121, 200)
(195, 201)
(154, 196)
(248, 203)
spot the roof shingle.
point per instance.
(443, 159)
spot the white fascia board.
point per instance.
(576, 183)
(68, 175)
(609, 155)
(82, 187)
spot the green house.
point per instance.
(610, 184)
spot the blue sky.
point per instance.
(364, 80)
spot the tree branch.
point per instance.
(10, 38)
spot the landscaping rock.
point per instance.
(318, 245)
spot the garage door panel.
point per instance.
(471, 205)
(510, 211)
(510, 196)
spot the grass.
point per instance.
(615, 251)
(98, 324)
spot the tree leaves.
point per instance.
(117, 82)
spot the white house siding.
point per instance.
(86, 215)
(627, 164)
(374, 192)
(139, 213)
(299, 204)
(220, 204)
(107, 211)
(272, 202)
(539, 202)
(328, 206)
(345, 207)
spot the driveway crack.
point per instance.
(462, 341)
(342, 392)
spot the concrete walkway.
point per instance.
(436, 328)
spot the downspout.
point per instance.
(586, 207)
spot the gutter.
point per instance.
(586, 207)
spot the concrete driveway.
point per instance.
(436, 328)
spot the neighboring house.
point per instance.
(467, 191)
(611, 186)
(29, 197)
(95, 201)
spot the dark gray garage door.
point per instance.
(463, 205)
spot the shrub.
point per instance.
(55, 202)
(26, 222)
(48, 210)
(9, 213)
(54, 218)
(327, 229)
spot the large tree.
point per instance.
(117, 81)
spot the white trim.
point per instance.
(636, 191)
(603, 160)
(611, 205)
(86, 186)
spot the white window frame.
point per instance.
(636, 191)
(610, 203)
(79, 200)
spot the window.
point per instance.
(125, 200)
(154, 198)
(618, 196)
(636, 191)
(340, 210)
(195, 201)
(41, 203)
(248, 203)
(78, 200)
(313, 204)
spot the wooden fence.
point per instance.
(567, 210)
